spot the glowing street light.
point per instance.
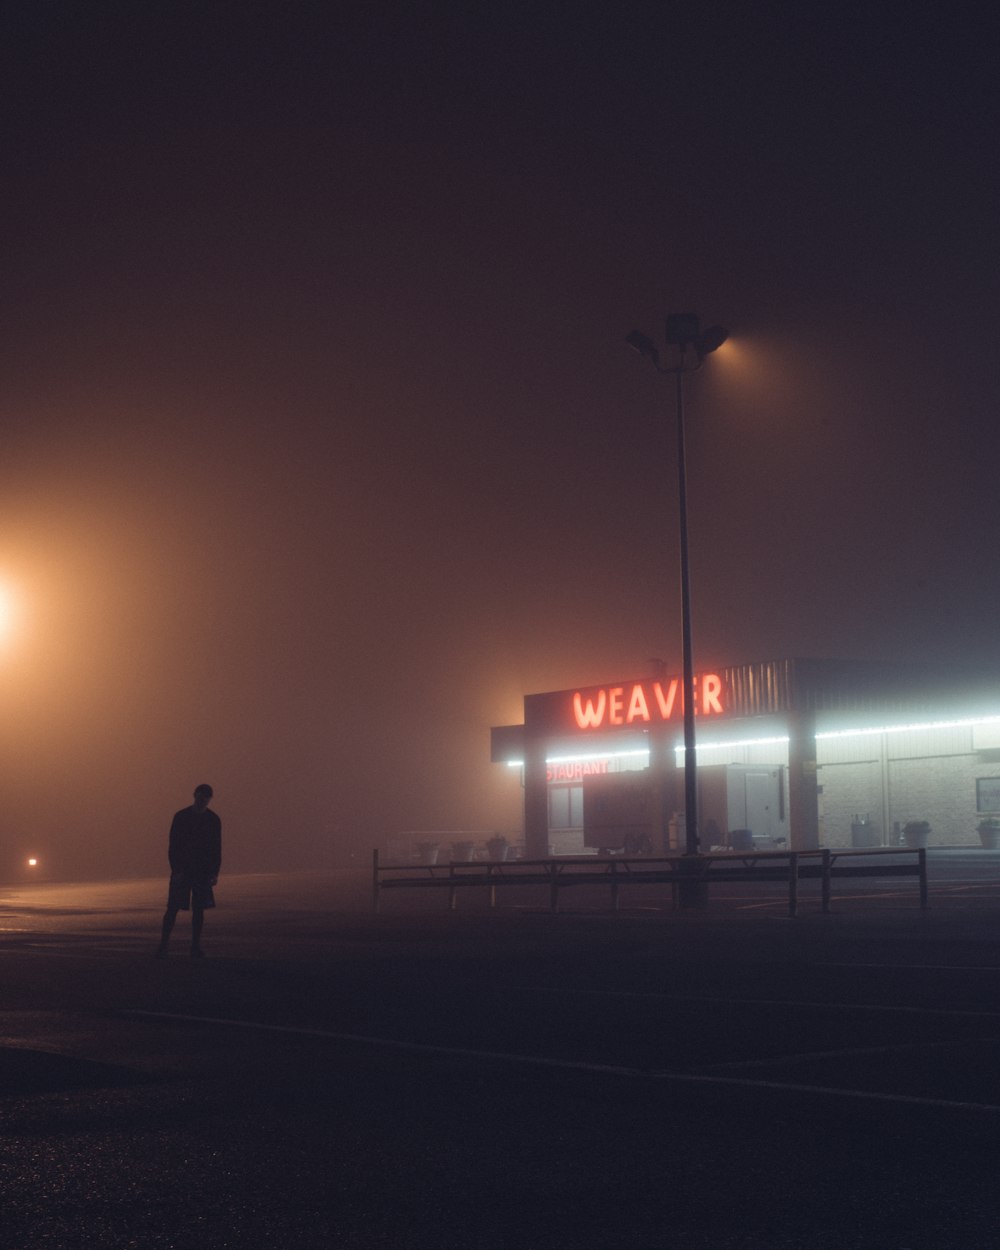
(11, 611)
(6, 611)
(692, 344)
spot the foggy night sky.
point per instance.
(320, 445)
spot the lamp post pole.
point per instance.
(684, 332)
(690, 757)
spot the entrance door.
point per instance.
(762, 803)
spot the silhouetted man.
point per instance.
(195, 858)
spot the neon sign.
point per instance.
(644, 703)
(575, 770)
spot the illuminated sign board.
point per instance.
(629, 705)
(643, 703)
(574, 770)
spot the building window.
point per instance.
(988, 794)
(565, 807)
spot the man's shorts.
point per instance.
(184, 888)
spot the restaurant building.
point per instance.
(790, 753)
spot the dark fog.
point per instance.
(320, 445)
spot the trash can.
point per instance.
(741, 839)
(864, 833)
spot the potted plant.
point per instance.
(496, 847)
(989, 832)
(427, 852)
(916, 832)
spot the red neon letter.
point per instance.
(711, 688)
(589, 717)
(666, 701)
(637, 707)
(615, 714)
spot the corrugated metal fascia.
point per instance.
(874, 688)
(760, 689)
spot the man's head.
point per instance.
(202, 795)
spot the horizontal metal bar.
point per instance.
(566, 871)
(648, 878)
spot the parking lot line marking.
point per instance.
(845, 1052)
(916, 967)
(864, 1095)
(397, 1044)
(573, 1065)
(773, 1002)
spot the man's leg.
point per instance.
(197, 920)
(169, 916)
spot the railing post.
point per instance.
(452, 899)
(551, 869)
(375, 880)
(922, 869)
(793, 884)
(614, 886)
(827, 866)
(493, 885)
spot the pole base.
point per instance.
(691, 890)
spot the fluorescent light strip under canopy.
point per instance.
(915, 727)
(640, 753)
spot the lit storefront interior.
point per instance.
(791, 754)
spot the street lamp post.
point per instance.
(684, 333)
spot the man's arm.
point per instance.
(216, 845)
(173, 846)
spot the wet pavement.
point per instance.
(328, 1077)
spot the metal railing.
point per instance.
(677, 871)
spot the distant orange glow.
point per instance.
(8, 612)
(32, 862)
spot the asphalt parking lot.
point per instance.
(329, 1077)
